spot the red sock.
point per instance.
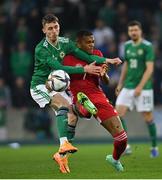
(120, 143)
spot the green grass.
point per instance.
(88, 163)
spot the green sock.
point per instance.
(71, 133)
(124, 124)
(62, 122)
(152, 131)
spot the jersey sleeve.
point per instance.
(150, 55)
(83, 55)
(45, 57)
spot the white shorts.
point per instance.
(41, 95)
(142, 103)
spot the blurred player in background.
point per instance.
(49, 54)
(88, 86)
(135, 84)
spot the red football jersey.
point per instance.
(71, 60)
(89, 84)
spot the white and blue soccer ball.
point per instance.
(58, 80)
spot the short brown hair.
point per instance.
(135, 23)
(49, 18)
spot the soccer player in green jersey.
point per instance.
(49, 54)
(135, 83)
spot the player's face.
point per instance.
(87, 44)
(51, 30)
(134, 32)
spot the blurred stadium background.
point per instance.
(20, 30)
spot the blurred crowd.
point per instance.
(20, 31)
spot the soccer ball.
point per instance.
(58, 80)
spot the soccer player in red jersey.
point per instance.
(89, 85)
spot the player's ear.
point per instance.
(43, 29)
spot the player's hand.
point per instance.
(103, 74)
(104, 69)
(92, 69)
(137, 91)
(118, 89)
(48, 87)
(115, 61)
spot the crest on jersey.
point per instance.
(140, 51)
(62, 54)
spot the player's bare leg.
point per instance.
(122, 110)
(114, 126)
(60, 104)
(62, 159)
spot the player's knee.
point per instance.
(58, 101)
(148, 116)
(58, 105)
(62, 111)
(121, 111)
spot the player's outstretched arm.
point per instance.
(91, 68)
(91, 58)
(44, 56)
(87, 57)
(73, 49)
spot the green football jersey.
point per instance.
(136, 57)
(49, 58)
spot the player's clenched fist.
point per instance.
(104, 69)
(104, 76)
(115, 61)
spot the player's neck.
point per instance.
(53, 43)
(138, 41)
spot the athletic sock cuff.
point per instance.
(120, 136)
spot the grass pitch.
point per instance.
(34, 162)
